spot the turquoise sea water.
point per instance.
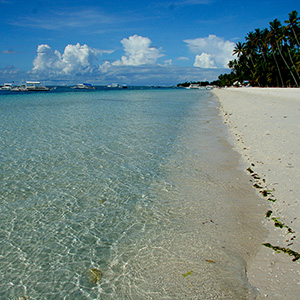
(134, 183)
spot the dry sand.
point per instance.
(265, 129)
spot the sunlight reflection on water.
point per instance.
(112, 181)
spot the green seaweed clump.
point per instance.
(250, 170)
(95, 275)
(186, 274)
(268, 214)
(278, 223)
(255, 176)
(265, 193)
(289, 251)
(257, 186)
(281, 225)
(102, 200)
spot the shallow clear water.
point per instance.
(133, 182)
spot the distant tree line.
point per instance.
(268, 57)
(188, 83)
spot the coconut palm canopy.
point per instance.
(269, 56)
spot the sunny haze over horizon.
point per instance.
(127, 42)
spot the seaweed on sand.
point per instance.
(95, 275)
(186, 274)
(268, 214)
(284, 250)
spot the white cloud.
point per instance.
(139, 66)
(104, 68)
(154, 74)
(11, 74)
(182, 58)
(79, 59)
(204, 61)
(182, 3)
(76, 58)
(106, 51)
(218, 49)
(46, 59)
(138, 52)
(65, 19)
(168, 62)
(9, 51)
(191, 2)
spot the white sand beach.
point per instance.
(265, 129)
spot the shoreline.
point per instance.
(264, 125)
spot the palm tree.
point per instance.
(278, 37)
(232, 64)
(242, 52)
(260, 46)
(239, 49)
(258, 41)
(293, 23)
(255, 57)
(272, 40)
(290, 49)
(250, 46)
(253, 54)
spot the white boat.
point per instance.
(114, 85)
(195, 86)
(6, 87)
(86, 86)
(34, 86)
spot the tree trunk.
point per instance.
(278, 47)
(295, 36)
(291, 59)
(278, 69)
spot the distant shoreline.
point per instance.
(264, 126)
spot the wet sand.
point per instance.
(264, 125)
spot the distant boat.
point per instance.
(114, 85)
(195, 86)
(31, 86)
(34, 86)
(86, 86)
(6, 87)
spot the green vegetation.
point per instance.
(277, 222)
(250, 170)
(188, 83)
(268, 57)
(265, 193)
(268, 214)
(284, 250)
(187, 274)
(95, 275)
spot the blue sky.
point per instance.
(129, 42)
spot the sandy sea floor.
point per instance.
(141, 186)
(264, 126)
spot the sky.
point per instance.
(127, 42)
